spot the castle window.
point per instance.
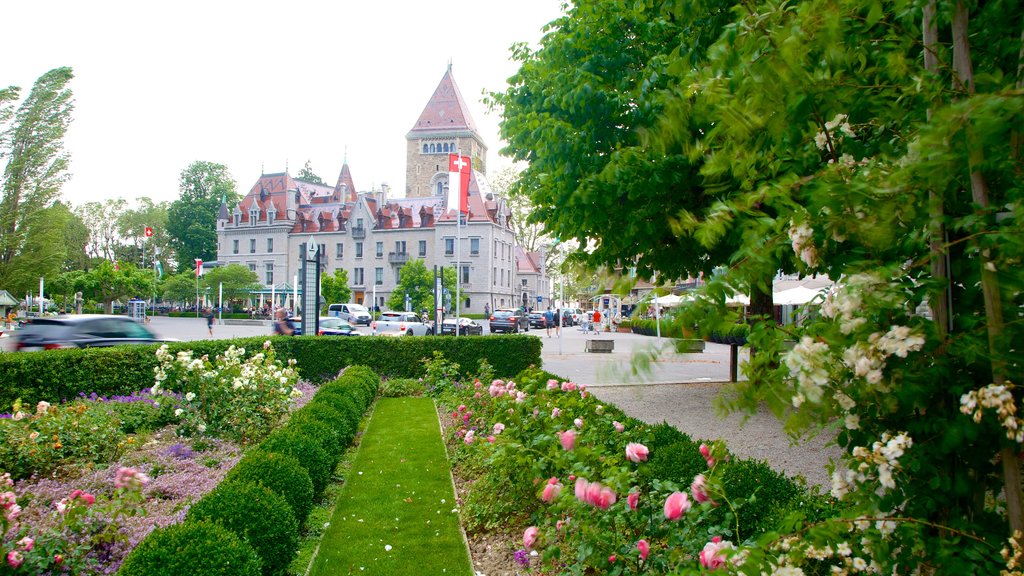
(425, 148)
(445, 146)
(440, 188)
(432, 149)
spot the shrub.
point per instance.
(140, 411)
(309, 454)
(325, 437)
(533, 379)
(338, 435)
(397, 387)
(665, 434)
(342, 401)
(51, 437)
(258, 515)
(322, 412)
(281, 473)
(678, 462)
(192, 548)
(764, 489)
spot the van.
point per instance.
(352, 313)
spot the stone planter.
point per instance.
(595, 345)
(690, 346)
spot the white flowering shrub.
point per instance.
(232, 396)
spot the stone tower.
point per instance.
(444, 127)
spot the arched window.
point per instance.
(431, 148)
(440, 188)
(425, 148)
(445, 146)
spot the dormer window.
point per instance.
(270, 214)
(254, 215)
(237, 216)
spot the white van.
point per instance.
(353, 313)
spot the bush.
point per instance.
(309, 454)
(140, 411)
(339, 436)
(342, 401)
(397, 387)
(765, 490)
(324, 413)
(281, 473)
(54, 374)
(327, 439)
(192, 548)
(533, 379)
(678, 462)
(256, 514)
(50, 437)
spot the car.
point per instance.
(509, 320)
(331, 326)
(83, 331)
(537, 320)
(408, 323)
(467, 327)
(577, 315)
(352, 313)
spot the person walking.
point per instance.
(549, 318)
(282, 325)
(209, 321)
(558, 321)
(597, 320)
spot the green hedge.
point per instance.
(224, 315)
(61, 374)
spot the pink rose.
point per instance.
(530, 536)
(605, 498)
(89, 499)
(633, 499)
(469, 437)
(581, 489)
(555, 413)
(477, 395)
(644, 549)
(611, 559)
(699, 489)
(499, 428)
(636, 452)
(559, 524)
(676, 505)
(618, 426)
(520, 397)
(706, 453)
(462, 407)
(26, 544)
(58, 558)
(491, 439)
(552, 384)
(593, 493)
(14, 558)
(568, 439)
(578, 422)
(478, 384)
(712, 556)
(551, 491)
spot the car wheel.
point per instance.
(408, 332)
(430, 331)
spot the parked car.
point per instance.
(577, 315)
(83, 331)
(537, 320)
(467, 327)
(407, 323)
(351, 313)
(331, 326)
(508, 320)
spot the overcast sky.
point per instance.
(257, 83)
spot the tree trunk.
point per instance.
(989, 281)
(939, 300)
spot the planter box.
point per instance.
(600, 345)
(690, 346)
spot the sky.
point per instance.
(259, 85)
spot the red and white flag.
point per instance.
(149, 232)
(199, 267)
(459, 168)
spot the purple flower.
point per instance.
(179, 451)
(522, 557)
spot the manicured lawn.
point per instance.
(397, 512)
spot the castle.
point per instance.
(372, 236)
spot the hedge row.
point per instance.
(250, 523)
(58, 374)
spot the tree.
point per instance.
(308, 175)
(335, 288)
(238, 281)
(76, 239)
(105, 283)
(415, 280)
(192, 218)
(529, 235)
(101, 218)
(32, 144)
(179, 288)
(131, 228)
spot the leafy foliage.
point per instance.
(192, 547)
(334, 288)
(418, 282)
(237, 281)
(279, 472)
(192, 218)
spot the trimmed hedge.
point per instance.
(192, 548)
(61, 374)
(281, 473)
(307, 451)
(256, 514)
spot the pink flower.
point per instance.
(491, 439)
(14, 558)
(605, 498)
(530, 536)
(89, 499)
(26, 544)
(636, 452)
(618, 426)
(551, 491)
(62, 505)
(555, 413)
(644, 549)
(477, 395)
(706, 453)
(536, 412)
(520, 397)
(568, 439)
(593, 493)
(129, 478)
(552, 384)
(58, 558)
(699, 490)
(568, 386)
(455, 415)
(712, 556)
(496, 390)
(560, 523)
(499, 428)
(462, 407)
(581, 489)
(469, 437)
(676, 505)
(633, 499)
(478, 384)
(578, 422)
(611, 559)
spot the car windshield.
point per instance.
(332, 323)
(357, 308)
(503, 313)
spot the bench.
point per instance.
(595, 345)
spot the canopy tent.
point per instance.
(796, 296)
(669, 300)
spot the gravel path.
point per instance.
(689, 407)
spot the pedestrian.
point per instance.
(209, 321)
(487, 311)
(558, 321)
(548, 319)
(615, 322)
(597, 321)
(282, 324)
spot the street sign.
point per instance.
(540, 299)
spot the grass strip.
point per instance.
(397, 512)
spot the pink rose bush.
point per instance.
(676, 505)
(712, 556)
(636, 452)
(530, 536)
(551, 490)
(567, 439)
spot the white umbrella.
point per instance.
(795, 296)
(669, 300)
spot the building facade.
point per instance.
(372, 236)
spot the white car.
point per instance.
(354, 314)
(407, 323)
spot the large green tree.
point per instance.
(238, 282)
(100, 218)
(192, 218)
(334, 288)
(179, 288)
(32, 145)
(108, 282)
(131, 229)
(415, 280)
(75, 238)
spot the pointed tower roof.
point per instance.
(345, 190)
(446, 111)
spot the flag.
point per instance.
(459, 168)
(158, 268)
(199, 267)
(149, 231)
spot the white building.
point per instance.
(372, 236)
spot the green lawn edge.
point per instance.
(397, 512)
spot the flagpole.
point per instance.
(458, 249)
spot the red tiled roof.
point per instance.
(527, 262)
(445, 111)
(345, 177)
(479, 209)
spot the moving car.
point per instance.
(467, 327)
(83, 331)
(407, 323)
(331, 326)
(508, 320)
(351, 313)
(537, 320)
